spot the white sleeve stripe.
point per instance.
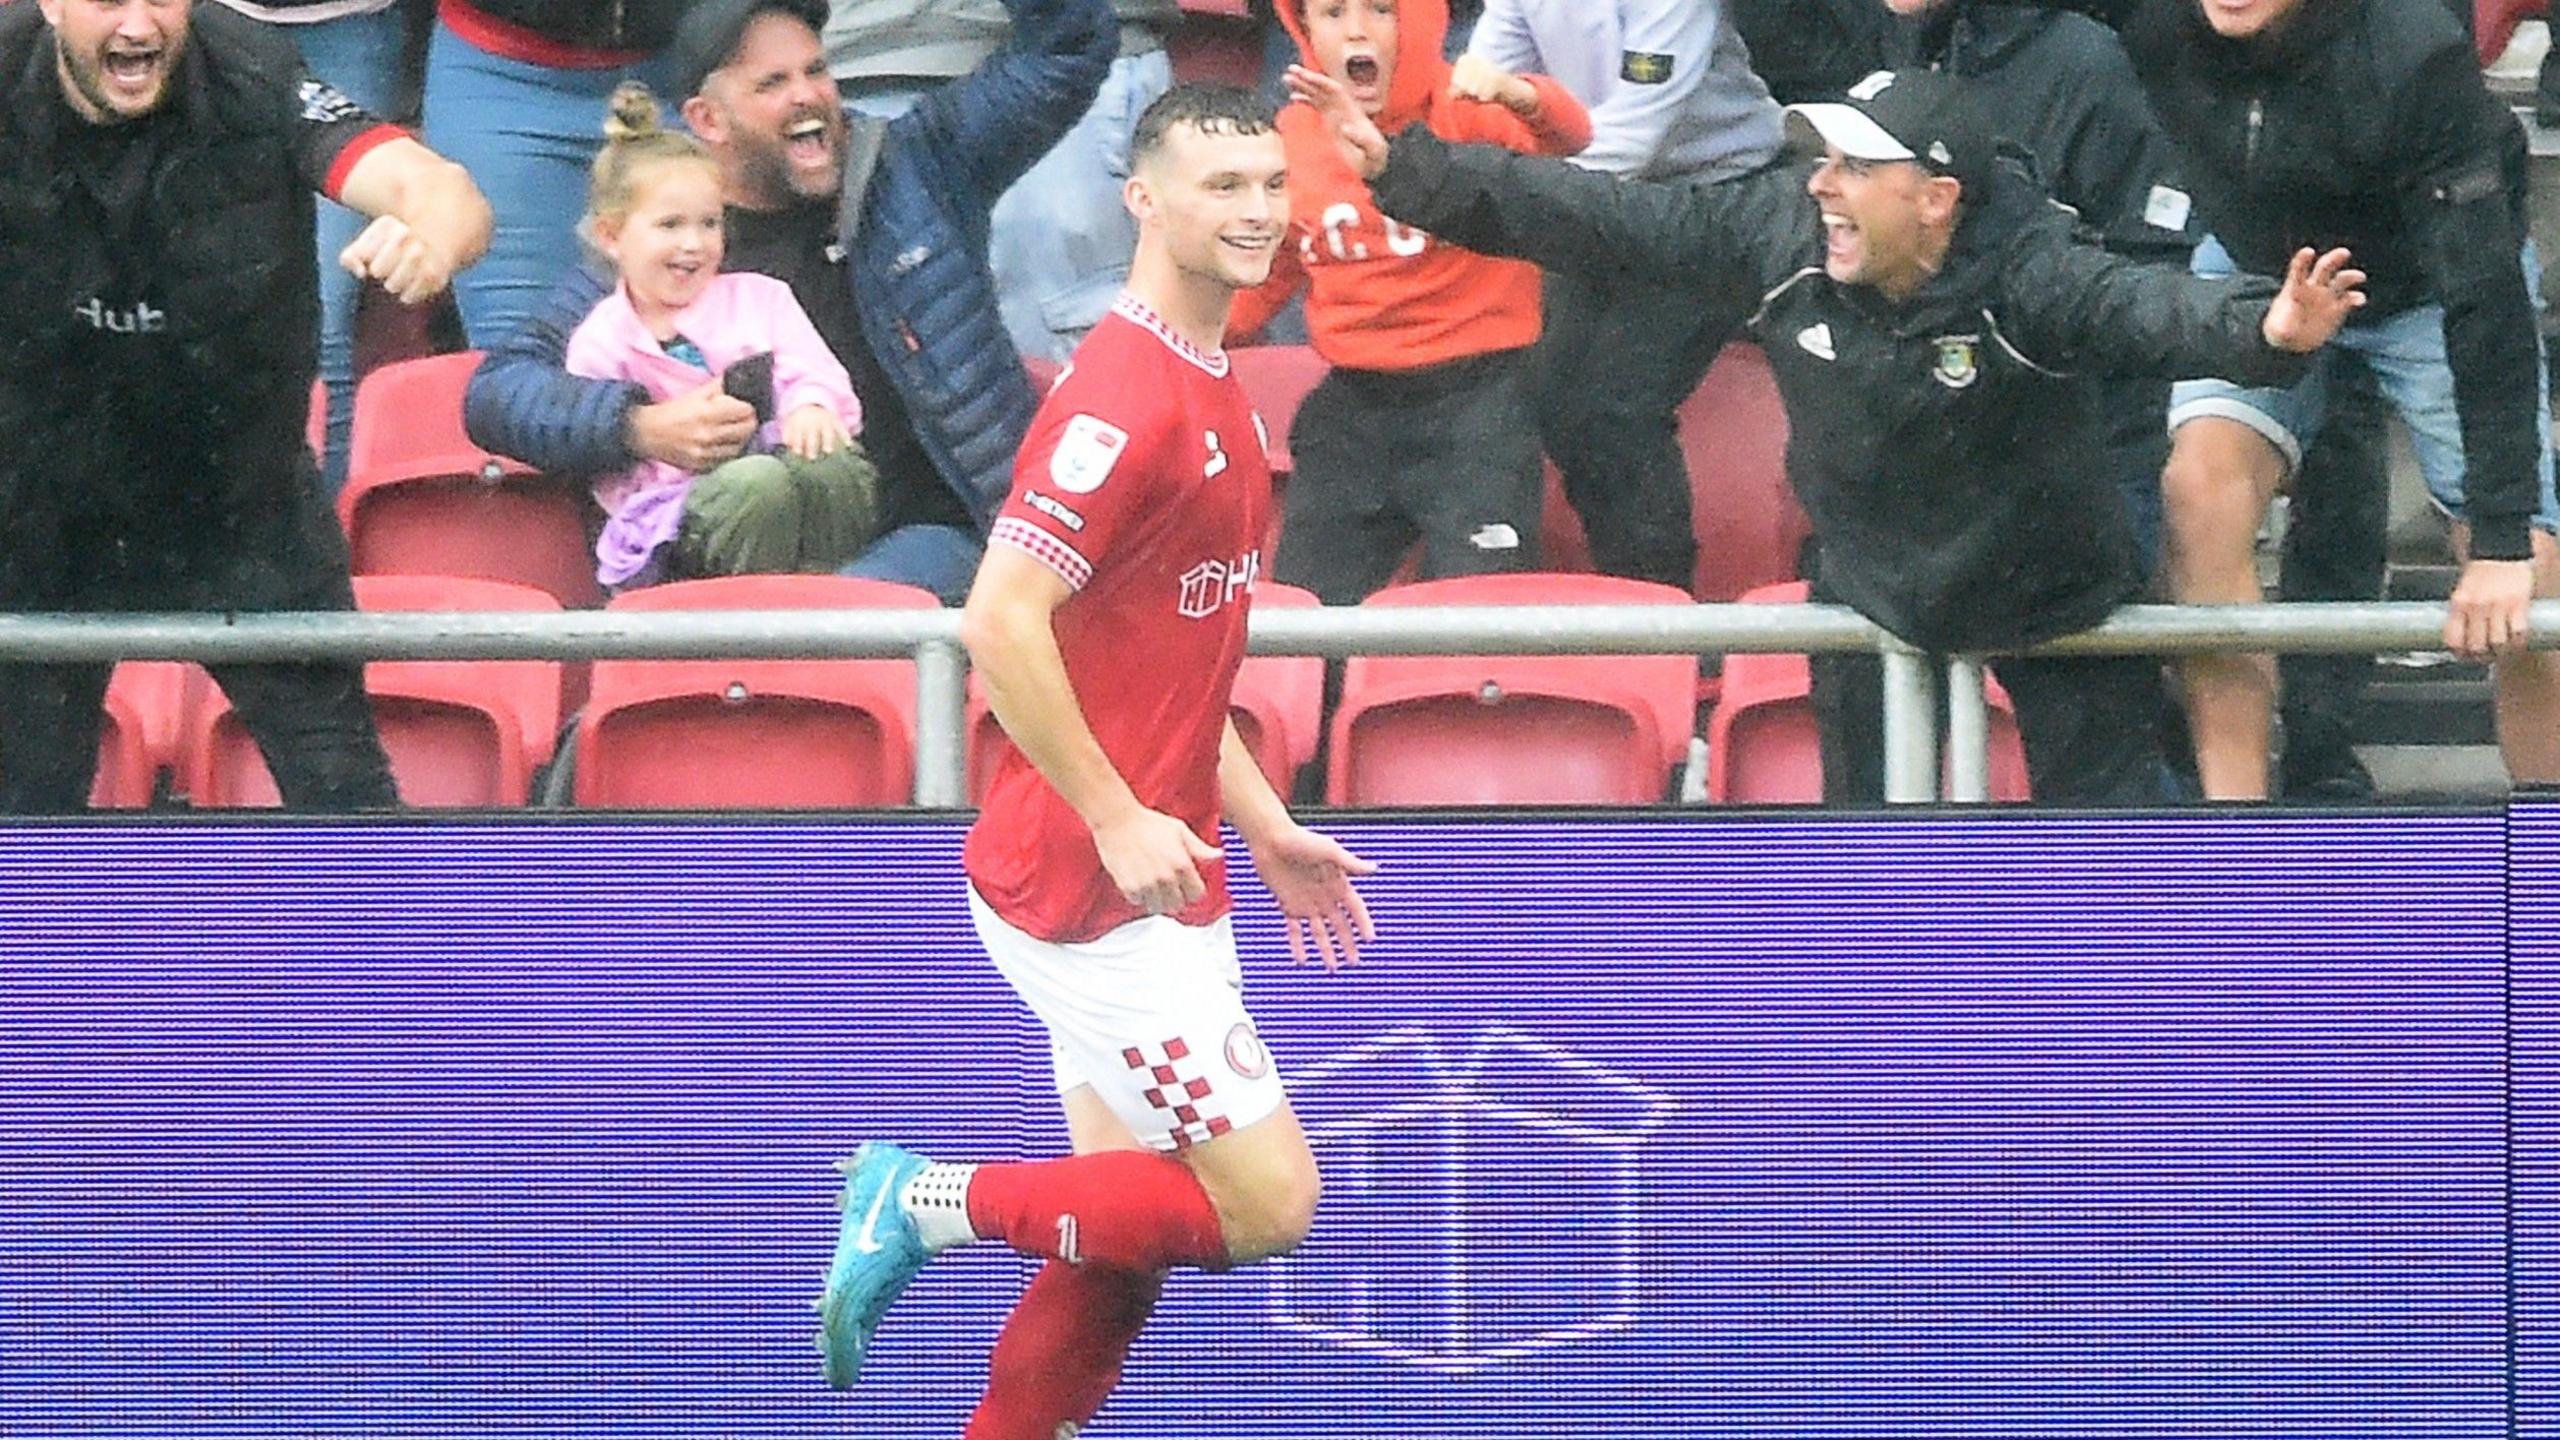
(1044, 547)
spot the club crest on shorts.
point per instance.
(1958, 362)
(1245, 1054)
(1086, 453)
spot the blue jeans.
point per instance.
(939, 558)
(2406, 354)
(528, 134)
(1061, 238)
(362, 56)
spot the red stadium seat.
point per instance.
(157, 701)
(756, 734)
(1733, 432)
(126, 775)
(1216, 43)
(458, 733)
(1513, 730)
(421, 499)
(1276, 378)
(1764, 748)
(2494, 22)
(1278, 707)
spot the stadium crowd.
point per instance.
(796, 311)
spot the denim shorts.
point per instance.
(2406, 355)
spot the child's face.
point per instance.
(1354, 41)
(668, 247)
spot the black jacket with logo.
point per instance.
(1945, 447)
(182, 436)
(2365, 123)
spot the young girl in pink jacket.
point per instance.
(804, 497)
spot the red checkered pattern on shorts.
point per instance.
(1191, 1104)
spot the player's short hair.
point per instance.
(1209, 109)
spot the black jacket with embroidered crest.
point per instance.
(210, 271)
(1947, 447)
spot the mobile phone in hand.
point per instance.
(750, 379)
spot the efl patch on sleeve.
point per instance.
(1640, 67)
(1086, 453)
(325, 104)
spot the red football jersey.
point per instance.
(1143, 484)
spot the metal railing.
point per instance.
(932, 639)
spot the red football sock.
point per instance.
(1127, 1209)
(1060, 1354)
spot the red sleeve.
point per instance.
(1081, 479)
(1562, 125)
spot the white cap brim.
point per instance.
(1847, 129)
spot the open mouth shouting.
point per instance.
(810, 142)
(1360, 73)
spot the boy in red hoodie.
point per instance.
(1423, 429)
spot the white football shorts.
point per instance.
(1152, 1017)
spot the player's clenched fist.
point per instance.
(405, 263)
(1154, 859)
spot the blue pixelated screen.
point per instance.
(2228, 1125)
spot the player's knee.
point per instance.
(1276, 1219)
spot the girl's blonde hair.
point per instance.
(635, 143)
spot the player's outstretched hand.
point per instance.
(1154, 859)
(1310, 877)
(392, 253)
(2490, 603)
(1353, 131)
(2318, 296)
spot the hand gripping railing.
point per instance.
(932, 638)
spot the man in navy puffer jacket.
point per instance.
(880, 229)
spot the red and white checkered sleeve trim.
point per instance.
(1044, 547)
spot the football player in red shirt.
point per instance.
(1108, 622)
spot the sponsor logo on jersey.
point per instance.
(1816, 341)
(1053, 509)
(1644, 67)
(1959, 364)
(1212, 585)
(1086, 453)
(1245, 1054)
(325, 104)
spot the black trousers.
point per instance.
(1446, 456)
(1617, 359)
(2091, 727)
(311, 721)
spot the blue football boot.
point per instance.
(877, 1253)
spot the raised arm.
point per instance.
(1565, 217)
(2078, 307)
(429, 220)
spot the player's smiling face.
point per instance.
(1222, 200)
(668, 247)
(1354, 41)
(116, 56)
